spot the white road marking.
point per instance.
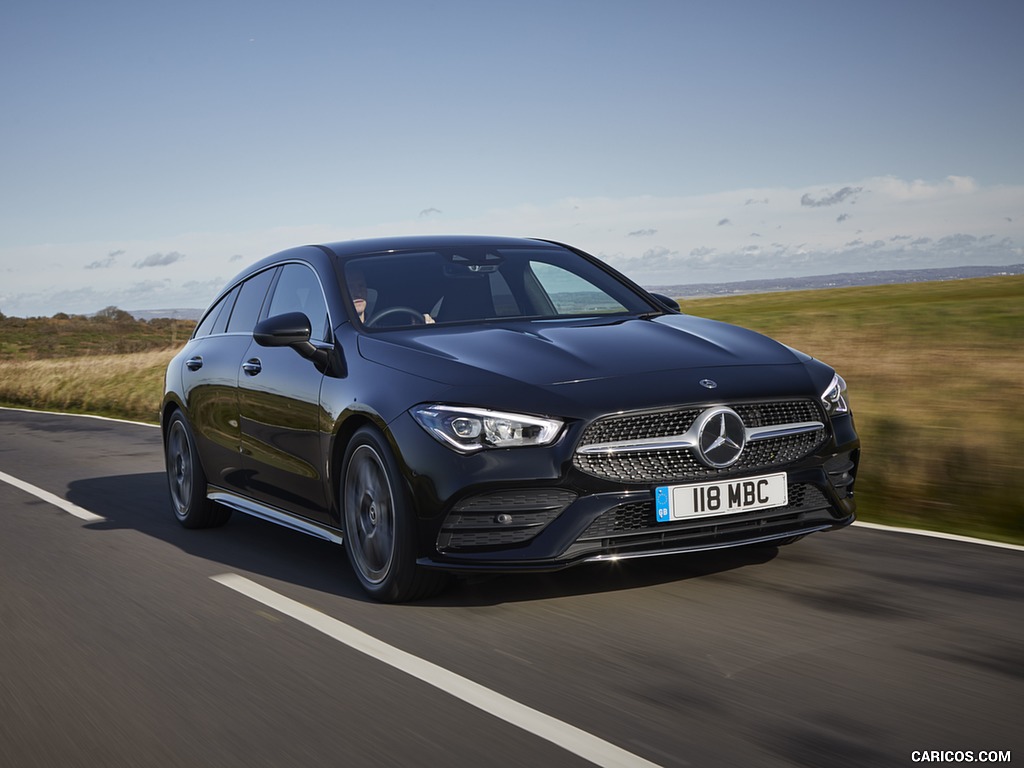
(568, 737)
(941, 535)
(81, 416)
(49, 498)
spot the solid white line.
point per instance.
(568, 737)
(81, 416)
(941, 535)
(49, 498)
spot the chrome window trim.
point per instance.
(323, 294)
(320, 343)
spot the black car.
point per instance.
(445, 404)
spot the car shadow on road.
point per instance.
(140, 502)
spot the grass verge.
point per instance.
(128, 386)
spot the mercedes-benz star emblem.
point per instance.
(720, 437)
(709, 383)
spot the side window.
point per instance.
(216, 317)
(250, 302)
(298, 290)
(571, 294)
(221, 325)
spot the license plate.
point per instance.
(682, 502)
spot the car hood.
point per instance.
(543, 353)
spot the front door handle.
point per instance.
(252, 367)
(194, 363)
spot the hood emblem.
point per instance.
(720, 437)
(709, 383)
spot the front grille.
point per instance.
(502, 518)
(681, 464)
(633, 526)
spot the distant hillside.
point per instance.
(110, 331)
(173, 314)
(842, 280)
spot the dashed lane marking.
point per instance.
(49, 498)
(562, 734)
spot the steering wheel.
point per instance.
(416, 315)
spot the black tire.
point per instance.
(378, 523)
(186, 479)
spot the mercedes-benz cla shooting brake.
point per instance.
(445, 404)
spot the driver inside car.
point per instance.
(359, 292)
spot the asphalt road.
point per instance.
(129, 641)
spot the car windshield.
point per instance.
(399, 290)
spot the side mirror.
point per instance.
(667, 301)
(291, 329)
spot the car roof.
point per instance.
(368, 246)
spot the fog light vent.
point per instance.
(501, 518)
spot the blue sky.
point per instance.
(149, 150)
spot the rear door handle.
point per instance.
(194, 363)
(252, 367)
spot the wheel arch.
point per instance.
(167, 410)
(340, 438)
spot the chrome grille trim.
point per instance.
(689, 440)
(661, 446)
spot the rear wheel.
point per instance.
(186, 479)
(379, 526)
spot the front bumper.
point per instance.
(613, 526)
(540, 513)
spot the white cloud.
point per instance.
(898, 189)
(655, 240)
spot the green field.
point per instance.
(936, 376)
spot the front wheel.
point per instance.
(186, 479)
(379, 526)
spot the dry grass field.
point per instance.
(936, 376)
(127, 386)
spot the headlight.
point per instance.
(834, 398)
(470, 429)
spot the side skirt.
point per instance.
(274, 515)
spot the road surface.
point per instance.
(126, 640)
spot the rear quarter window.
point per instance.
(216, 320)
(249, 304)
